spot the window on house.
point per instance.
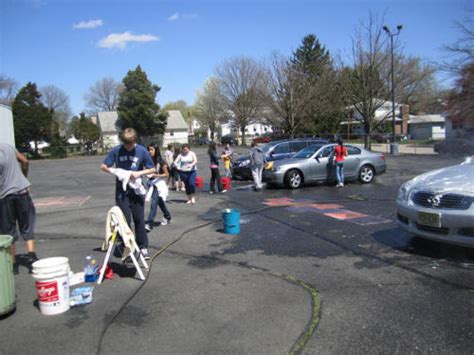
(171, 133)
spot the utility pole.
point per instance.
(393, 145)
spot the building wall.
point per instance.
(177, 136)
(110, 140)
(435, 131)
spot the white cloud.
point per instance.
(120, 40)
(85, 25)
(174, 17)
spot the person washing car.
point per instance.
(257, 162)
(340, 152)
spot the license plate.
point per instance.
(429, 219)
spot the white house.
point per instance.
(427, 127)
(109, 134)
(7, 133)
(176, 129)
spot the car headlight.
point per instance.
(403, 193)
(245, 162)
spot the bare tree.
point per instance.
(287, 96)
(103, 95)
(8, 90)
(57, 101)
(209, 106)
(461, 51)
(369, 84)
(241, 86)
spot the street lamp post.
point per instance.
(393, 146)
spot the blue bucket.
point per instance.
(231, 221)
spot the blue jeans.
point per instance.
(133, 205)
(340, 172)
(156, 201)
(189, 179)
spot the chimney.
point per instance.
(405, 113)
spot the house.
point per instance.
(427, 127)
(459, 127)
(176, 129)
(109, 133)
(383, 116)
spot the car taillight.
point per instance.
(382, 156)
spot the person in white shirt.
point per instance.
(186, 165)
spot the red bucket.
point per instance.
(199, 182)
(225, 183)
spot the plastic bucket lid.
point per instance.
(50, 265)
(5, 241)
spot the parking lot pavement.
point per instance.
(381, 290)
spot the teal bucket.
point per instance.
(231, 221)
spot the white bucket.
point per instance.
(52, 284)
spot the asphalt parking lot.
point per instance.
(297, 278)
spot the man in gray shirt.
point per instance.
(16, 206)
(257, 162)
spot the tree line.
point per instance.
(308, 92)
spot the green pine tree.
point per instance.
(137, 107)
(311, 57)
(33, 121)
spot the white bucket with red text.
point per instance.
(52, 284)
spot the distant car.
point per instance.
(275, 150)
(262, 139)
(388, 137)
(315, 164)
(455, 146)
(229, 139)
(439, 205)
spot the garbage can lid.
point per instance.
(5, 241)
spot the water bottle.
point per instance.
(90, 269)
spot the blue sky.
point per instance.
(72, 44)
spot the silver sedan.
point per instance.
(439, 205)
(315, 164)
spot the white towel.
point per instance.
(124, 176)
(161, 186)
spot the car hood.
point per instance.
(457, 178)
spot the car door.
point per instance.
(323, 168)
(280, 151)
(352, 161)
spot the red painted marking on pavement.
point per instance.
(60, 201)
(285, 201)
(345, 214)
(325, 206)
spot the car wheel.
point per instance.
(366, 174)
(293, 179)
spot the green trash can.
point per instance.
(7, 281)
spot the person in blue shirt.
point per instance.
(134, 157)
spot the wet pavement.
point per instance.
(314, 270)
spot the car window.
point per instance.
(281, 148)
(326, 151)
(353, 150)
(297, 146)
(307, 152)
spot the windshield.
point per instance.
(307, 152)
(266, 147)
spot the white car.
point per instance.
(439, 204)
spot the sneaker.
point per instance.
(164, 222)
(223, 191)
(211, 192)
(183, 189)
(145, 254)
(148, 228)
(188, 202)
(193, 200)
(16, 269)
